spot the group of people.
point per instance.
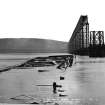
(68, 61)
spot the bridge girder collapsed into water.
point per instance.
(83, 42)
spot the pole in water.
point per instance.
(54, 87)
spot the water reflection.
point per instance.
(82, 84)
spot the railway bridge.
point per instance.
(85, 42)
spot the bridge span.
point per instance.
(85, 42)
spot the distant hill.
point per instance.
(32, 45)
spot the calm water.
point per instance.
(83, 84)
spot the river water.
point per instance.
(83, 83)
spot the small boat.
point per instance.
(61, 90)
(34, 103)
(62, 95)
(43, 70)
(62, 78)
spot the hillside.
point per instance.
(31, 45)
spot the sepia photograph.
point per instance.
(52, 52)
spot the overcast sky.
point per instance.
(49, 19)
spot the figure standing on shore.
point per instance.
(55, 87)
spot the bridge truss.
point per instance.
(82, 41)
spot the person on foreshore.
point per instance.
(54, 87)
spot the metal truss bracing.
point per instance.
(84, 43)
(96, 38)
(80, 36)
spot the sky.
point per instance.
(49, 19)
